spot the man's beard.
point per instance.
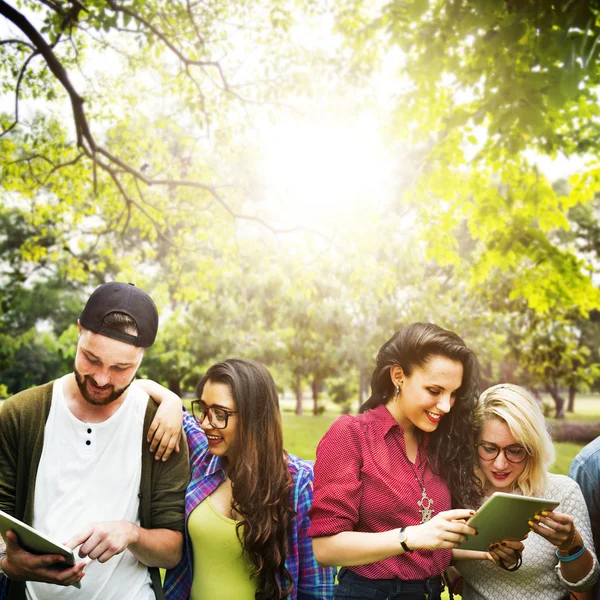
(92, 397)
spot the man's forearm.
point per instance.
(157, 547)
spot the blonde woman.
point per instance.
(514, 453)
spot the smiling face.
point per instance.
(104, 367)
(500, 474)
(218, 396)
(427, 394)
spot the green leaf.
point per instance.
(569, 82)
(417, 8)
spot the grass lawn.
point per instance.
(565, 453)
(301, 434)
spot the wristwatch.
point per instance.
(402, 537)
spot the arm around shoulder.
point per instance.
(165, 429)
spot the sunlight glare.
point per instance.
(318, 172)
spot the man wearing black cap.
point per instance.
(76, 465)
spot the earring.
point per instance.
(397, 393)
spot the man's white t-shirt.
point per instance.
(90, 472)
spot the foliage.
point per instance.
(342, 391)
(119, 177)
(36, 360)
(129, 167)
(552, 352)
(484, 84)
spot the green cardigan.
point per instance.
(22, 423)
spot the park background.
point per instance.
(294, 180)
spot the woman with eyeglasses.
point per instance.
(514, 452)
(248, 499)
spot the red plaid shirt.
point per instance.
(365, 482)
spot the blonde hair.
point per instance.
(515, 406)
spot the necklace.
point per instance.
(425, 502)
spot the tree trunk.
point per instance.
(175, 385)
(315, 395)
(559, 401)
(298, 394)
(361, 389)
(537, 396)
(572, 392)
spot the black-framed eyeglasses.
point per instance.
(218, 417)
(515, 453)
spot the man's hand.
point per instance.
(21, 565)
(101, 541)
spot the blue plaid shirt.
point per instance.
(310, 580)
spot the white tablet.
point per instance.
(35, 541)
(504, 517)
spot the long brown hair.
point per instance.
(450, 450)
(257, 467)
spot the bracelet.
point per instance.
(514, 567)
(572, 557)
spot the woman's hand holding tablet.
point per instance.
(505, 517)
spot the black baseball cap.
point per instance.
(122, 298)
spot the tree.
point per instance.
(484, 84)
(131, 169)
(180, 42)
(553, 353)
(36, 361)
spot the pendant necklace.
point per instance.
(425, 502)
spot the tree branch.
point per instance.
(132, 202)
(81, 124)
(159, 34)
(55, 6)
(58, 166)
(16, 41)
(194, 24)
(85, 139)
(17, 89)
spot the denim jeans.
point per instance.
(354, 587)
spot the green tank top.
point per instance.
(220, 569)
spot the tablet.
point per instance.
(35, 541)
(504, 517)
